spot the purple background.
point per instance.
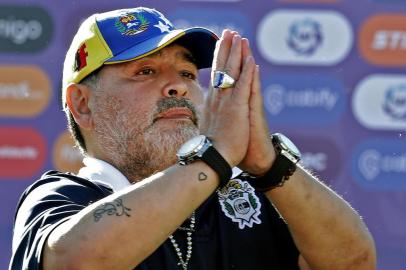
(330, 144)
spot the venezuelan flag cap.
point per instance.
(129, 34)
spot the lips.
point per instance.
(176, 113)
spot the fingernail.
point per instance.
(225, 31)
(235, 38)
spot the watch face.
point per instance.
(288, 145)
(191, 146)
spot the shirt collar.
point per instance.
(99, 171)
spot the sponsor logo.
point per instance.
(213, 19)
(315, 160)
(24, 29)
(306, 37)
(20, 148)
(395, 101)
(24, 91)
(66, 157)
(304, 99)
(379, 102)
(321, 156)
(380, 163)
(382, 40)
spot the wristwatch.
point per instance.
(287, 156)
(201, 148)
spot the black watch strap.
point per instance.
(281, 170)
(215, 160)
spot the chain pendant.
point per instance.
(184, 263)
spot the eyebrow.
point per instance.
(188, 56)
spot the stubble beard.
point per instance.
(139, 147)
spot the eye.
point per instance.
(188, 75)
(146, 71)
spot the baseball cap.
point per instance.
(129, 34)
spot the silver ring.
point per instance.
(222, 80)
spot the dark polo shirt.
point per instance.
(218, 241)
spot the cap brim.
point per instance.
(201, 42)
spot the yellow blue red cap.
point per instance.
(129, 34)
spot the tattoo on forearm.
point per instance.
(202, 176)
(111, 208)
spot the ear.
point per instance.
(77, 100)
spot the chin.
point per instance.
(171, 137)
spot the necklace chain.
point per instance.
(184, 262)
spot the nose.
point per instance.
(175, 87)
(175, 91)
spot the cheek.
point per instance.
(115, 109)
(139, 104)
(139, 111)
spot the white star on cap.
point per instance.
(162, 27)
(165, 20)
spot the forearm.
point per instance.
(327, 231)
(154, 209)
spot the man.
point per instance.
(156, 191)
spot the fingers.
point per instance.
(227, 57)
(231, 55)
(256, 97)
(228, 54)
(256, 101)
(245, 48)
(233, 64)
(222, 50)
(243, 85)
(227, 110)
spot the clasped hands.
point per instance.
(234, 117)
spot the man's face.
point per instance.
(145, 109)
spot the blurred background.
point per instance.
(333, 78)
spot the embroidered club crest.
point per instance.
(240, 203)
(131, 24)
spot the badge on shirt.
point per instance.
(240, 203)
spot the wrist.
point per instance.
(260, 161)
(225, 154)
(263, 164)
(201, 148)
(286, 156)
